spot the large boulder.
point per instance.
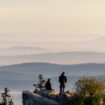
(52, 95)
(45, 97)
(30, 98)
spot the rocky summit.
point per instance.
(43, 97)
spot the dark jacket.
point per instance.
(62, 79)
(48, 86)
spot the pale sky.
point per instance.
(51, 21)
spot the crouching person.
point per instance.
(48, 86)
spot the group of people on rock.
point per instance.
(62, 81)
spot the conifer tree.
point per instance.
(40, 84)
(6, 97)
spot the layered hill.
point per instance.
(24, 75)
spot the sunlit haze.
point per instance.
(58, 25)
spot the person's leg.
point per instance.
(60, 89)
(63, 88)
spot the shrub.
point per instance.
(89, 86)
(89, 91)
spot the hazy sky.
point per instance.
(51, 21)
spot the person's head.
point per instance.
(49, 80)
(63, 73)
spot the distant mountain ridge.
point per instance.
(58, 58)
(30, 68)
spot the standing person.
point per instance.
(62, 81)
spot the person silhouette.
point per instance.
(62, 81)
(48, 85)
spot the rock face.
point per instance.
(2, 104)
(34, 99)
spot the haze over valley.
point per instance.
(48, 37)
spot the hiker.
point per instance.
(62, 81)
(48, 85)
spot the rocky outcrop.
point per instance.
(30, 98)
(2, 104)
(45, 97)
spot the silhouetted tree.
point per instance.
(41, 83)
(6, 98)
